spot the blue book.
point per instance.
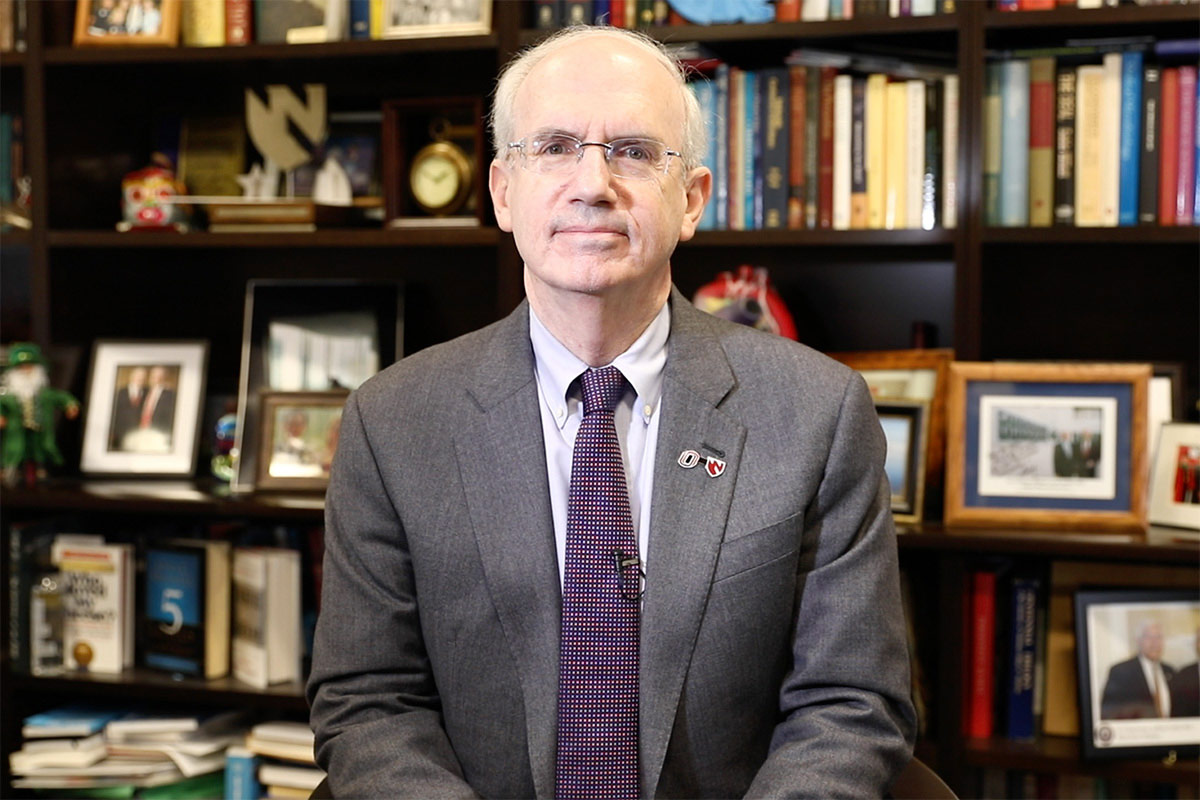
(241, 774)
(360, 19)
(1023, 658)
(774, 118)
(721, 166)
(1014, 143)
(706, 95)
(601, 11)
(186, 613)
(1131, 133)
(68, 721)
(751, 150)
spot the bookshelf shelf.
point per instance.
(150, 686)
(1061, 754)
(857, 238)
(148, 497)
(409, 237)
(1149, 235)
(1160, 545)
(1083, 18)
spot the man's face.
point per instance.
(137, 377)
(158, 376)
(1151, 642)
(585, 230)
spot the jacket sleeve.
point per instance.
(847, 722)
(375, 709)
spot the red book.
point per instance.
(981, 677)
(616, 13)
(239, 22)
(1041, 142)
(1035, 5)
(799, 80)
(825, 151)
(1185, 191)
(787, 10)
(1168, 148)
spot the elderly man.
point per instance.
(1137, 688)
(609, 546)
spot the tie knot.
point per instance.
(602, 389)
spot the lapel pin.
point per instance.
(689, 459)
(714, 466)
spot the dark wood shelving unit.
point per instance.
(987, 289)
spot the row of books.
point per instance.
(14, 179)
(1048, 5)
(550, 14)
(825, 142)
(164, 754)
(13, 22)
(1111, 141)
(202, 607)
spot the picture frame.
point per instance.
(1050, 446)
(145, 399)
(310, 335)
(1120, 715)
(299, 438)
(408, 19)
(905, 426)
(126, 23)
(1175, 480)
(913, 375)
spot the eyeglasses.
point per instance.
(553, 153)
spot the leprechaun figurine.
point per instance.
(28, 410)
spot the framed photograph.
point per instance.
(144, 405)
(1175, 482)
(407, 19)
(1047, 446)
(905, 425)
(1137, 654)
(300, 436)
(310, 336)
(126, 23)
(916, 375)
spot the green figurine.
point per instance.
(28, 410)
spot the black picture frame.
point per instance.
(906, 426)
(269, 301)
(1118, 718)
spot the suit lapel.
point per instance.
(502, 460)
(687, 522)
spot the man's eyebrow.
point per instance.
(553, 131)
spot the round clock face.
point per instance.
(439, 179)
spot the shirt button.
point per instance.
(647, 409)
(558, 412)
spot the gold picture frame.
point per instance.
(299, 438)
(112, 23)
(407, 19)
(1051, 446)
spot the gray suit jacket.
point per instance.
(773, 654)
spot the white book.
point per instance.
(57, 753)
(950, 151)
(98, 624)
(814, 10)
(842, 120)
(915, 166)
(267, 645)
(285, 775)
(923, 8)
(284, 731)
(1088, 136)
(1110, 140)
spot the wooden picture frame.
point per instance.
(145, 401)
(913, 375)
(1055, 446)
(1120, 716)
(111, 23)
(1175, 482)
(299, 438)
(905, 426)
(407, 19)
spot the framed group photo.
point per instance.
(1138, 657)
(300, 436)
(144, 405)
(1175, 482)
(1054, 446)
(125, 23)
(405, 19)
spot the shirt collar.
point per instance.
(642, 365)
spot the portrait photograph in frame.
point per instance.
(916, 375)
(1137, 655)
(1055, 446)
(905, 425)
(407, 19)
(312, 336)
(143, 408)
(127, 23)
(299, 438)
(1175, 479)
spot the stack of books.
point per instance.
(285, 763)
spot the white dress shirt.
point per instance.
(635, 418)
(1155, 677)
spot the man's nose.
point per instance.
(592, 176)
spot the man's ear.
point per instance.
(498, 183)
(698, 192)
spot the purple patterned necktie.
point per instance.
(598, 661)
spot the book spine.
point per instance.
(1168, 147)
(1131, 137)
(1185, 191)
(842, 121)
(1064, 146)
(877, 129)
(376, 18)
(547, 15)
(241, 774)
(787, 11)
(915, 161)
(721, 166)
(980, 722)
(858, 155)
(239, 21)
(896, 158)
(825, 156)
(1110, 139)
(360, 19)
(1088, 119)
(601, 12)
(577, 12)
(202, 23)
(812, 147)
(736, 124)
(1196, 162)
(18, 580)
(931, 179)
(992, 118)
(1014, 144)
(705, 93)
(1022, 662)
(950, 151)
(752, 154)
(775, 119)
(798, 77)
(1041, 142)
(814, 10)
(616, 15)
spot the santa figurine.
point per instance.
(29, 407)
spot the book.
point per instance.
(293, 741)
(826, 146)
(858, 154)
(812, 146)
(202, 23)
(797, 128)
(1014, 143)
(843, 86)
(876, 146)
(736, 165)
(931, 175)
(1065, 80)
(1110, 139)
(29, 553)
(705, 93)
(1168, 146)
(1041, 142)
(895, 158)
(186, 615)
(720, 194)
(980, 678)
(992, 119)
(266, 640)
(274, 22)
(40, 753)
(68, 721)
(1130, 138)
(775, 119)
(1186, 182)
(1088, 147)
(1022, 658)
(751, 153)
(241, 774)
(239, 21)
(98, 609)
(271, 774)
(950, 151)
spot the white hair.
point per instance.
(517, 70)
